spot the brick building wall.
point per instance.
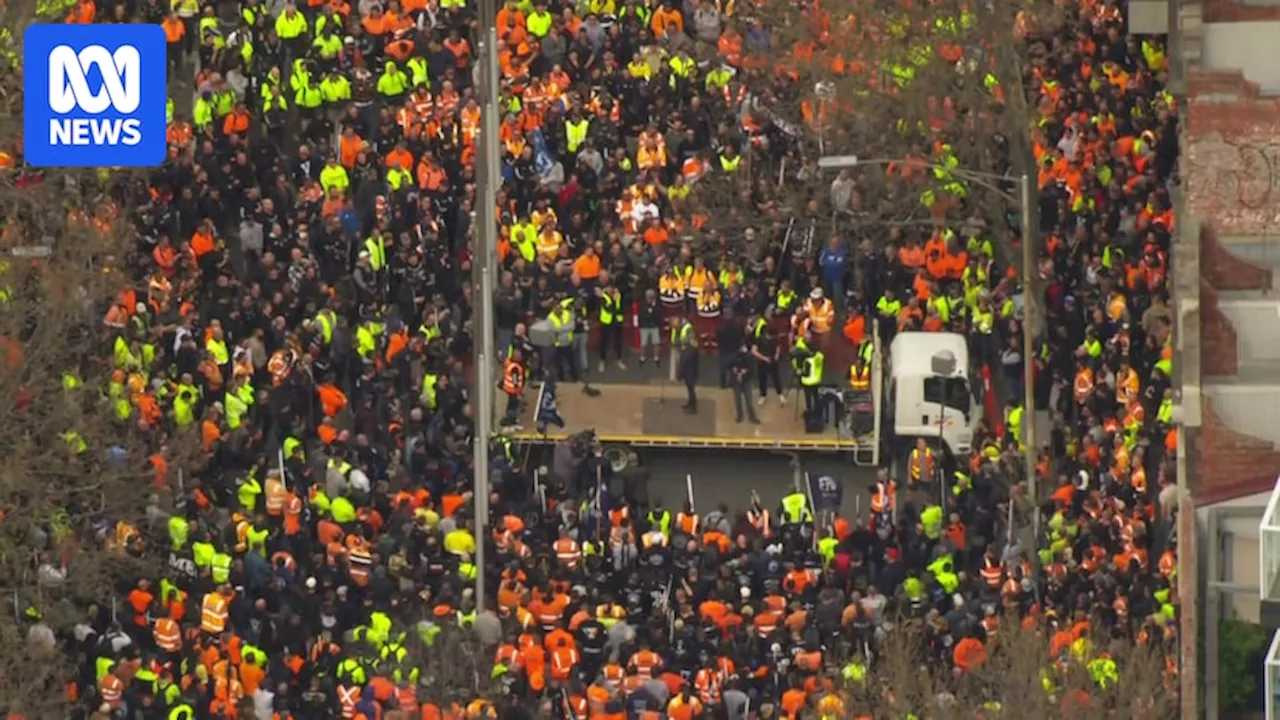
(1233, 11)
(1231, 164)
(1232, 159)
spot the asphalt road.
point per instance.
(721, 476)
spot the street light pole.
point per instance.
(1029, 346)
(943, 365)
(483, 262)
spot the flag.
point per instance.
(827, 493)
(548, 413)
(543, 160)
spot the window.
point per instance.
(955, 390)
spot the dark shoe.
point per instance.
(738, 419)
(755, 421)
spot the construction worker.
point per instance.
(513, 383)
(564, 357)
(920, 463)
(684, 342)
(861, 401)
(794, 509)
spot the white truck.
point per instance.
(929, 390)
(909, 395)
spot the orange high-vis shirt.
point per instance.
(332, 400)
(174, 29)
(587, 266)
(348, 150)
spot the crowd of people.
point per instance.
(300, 299)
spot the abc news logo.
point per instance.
(95, 95)
(69, 92)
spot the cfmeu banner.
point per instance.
(547, 413)
(826, 492)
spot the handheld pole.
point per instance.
(817, 518)
(1009, 531)
(599, 504)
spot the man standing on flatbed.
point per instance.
(685, 338)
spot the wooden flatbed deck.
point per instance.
(650, 415)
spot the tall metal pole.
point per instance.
(942, 446)
(482, 268)
(1028, 346)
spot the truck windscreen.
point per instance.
(953, 392)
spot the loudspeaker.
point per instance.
(815, 421)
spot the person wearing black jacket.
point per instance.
(649, 319)
(593, 638)
(740, 381)
(767, 354)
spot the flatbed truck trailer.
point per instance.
(631, 417)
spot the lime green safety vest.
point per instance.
(576, 133)
(326, 321)
(221, 568)
(218, 348)
(418, 74)
(179, 531)
(328, 45)
(398, 178)
(684, 336)
(335, 89)
(308, 96)
(392, 82)
(813, 376)
(795, 508)
(202, 554)
(377, 249)
(288, 28)
(248, 493)
(429, 389)
(610, 308)
(538, 23)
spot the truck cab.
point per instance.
(929, 390)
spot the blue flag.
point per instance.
(543, 160)
(548, 413)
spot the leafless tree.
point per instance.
(1016, 676)
(82, 486)
(899, 85)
